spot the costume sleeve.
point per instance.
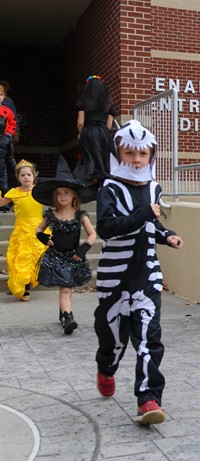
(10, 103)
(10, 194)
(47, 214)
(11, 121)
(81, 213)
(162, 233)
(112, 111)
(80, 105)
(109, 224)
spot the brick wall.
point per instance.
(184, 70)
(113, 38)
(92, 47)
(175, 30)
(179, 31)
(135, 53)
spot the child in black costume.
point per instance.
(64, 263)
(94, 123)
(7, 131)
(129, 278)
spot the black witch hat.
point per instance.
(43, 191)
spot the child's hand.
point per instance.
(76, 257)
(175, 241)
(156, 209)
(44, 238)
(81, 251)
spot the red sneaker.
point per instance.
(150, 413)
(105, 384)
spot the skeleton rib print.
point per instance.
(127, 225)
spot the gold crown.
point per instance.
(23, 163)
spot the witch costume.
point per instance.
(57, 266)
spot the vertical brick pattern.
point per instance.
(135, 53)
(92, 47)
(175, 30)
(112, 38)
(179, 31)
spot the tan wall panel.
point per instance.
(181, 268)
(193, 5)
(175, 55)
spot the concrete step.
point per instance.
(92, 258)
(91, 206)
(3, 247)
(7, 219)
(5, 232)
(96, 248)
(6, 227)
(4, 286)
(3, 263)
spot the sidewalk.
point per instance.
(50, 409)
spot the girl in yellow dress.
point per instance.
(24, 248)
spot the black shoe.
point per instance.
(5, 209)
(69, 324)
(60, 315)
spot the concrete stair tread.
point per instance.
(3, 277)
(6, 226)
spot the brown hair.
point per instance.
(33, 169)
(3, 89)
(75, 201)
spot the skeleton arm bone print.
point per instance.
(129, 219)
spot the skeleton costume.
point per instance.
(129, 278)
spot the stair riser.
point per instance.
(6, 223)
(4, 286)
(93, 259)
(3, 248)
(8, 219)
(6, 233)
(96, 248)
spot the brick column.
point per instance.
(135, 54)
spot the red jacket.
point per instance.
(10, 120)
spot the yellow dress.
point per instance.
(24, 248)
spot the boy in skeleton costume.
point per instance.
(129, 278)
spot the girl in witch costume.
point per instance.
(129, 278)
(94, 124)
(64, 263)
(24, 249)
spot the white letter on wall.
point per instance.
(160, 84)
(189, 87)
(185, 124)
(194, 105)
